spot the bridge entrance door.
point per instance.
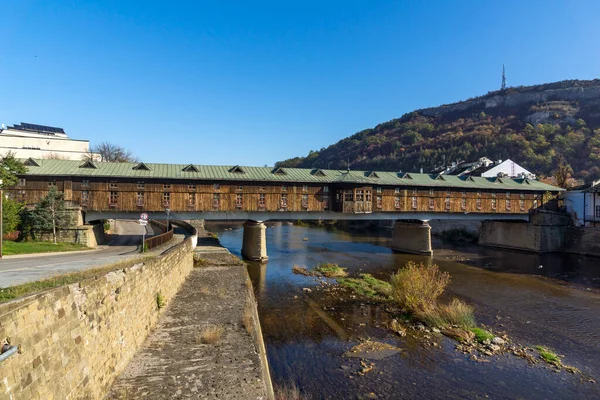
(355, 200)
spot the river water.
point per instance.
(550, 300)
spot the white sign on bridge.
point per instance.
(143, 222)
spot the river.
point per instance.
(550, 300)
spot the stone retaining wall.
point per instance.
(583, 241)
(75, 340)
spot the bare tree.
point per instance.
(112, 153)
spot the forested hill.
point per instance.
(531, 125)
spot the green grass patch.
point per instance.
(368, 286)
(11, 248)
(14, 292)
(331, 270)
(481, 335)
(548, 356)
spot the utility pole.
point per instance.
(503, 79)
(1, 218)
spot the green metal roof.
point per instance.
(56, 168)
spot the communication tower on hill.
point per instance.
(503, 79)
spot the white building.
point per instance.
(38, 141)
(583, 203)
(487, 168)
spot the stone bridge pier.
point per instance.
(412, 237)
(254, 243)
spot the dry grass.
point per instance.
(457, 313)
(417, 287)
(289, 391)
(301, 271)
(211, 334)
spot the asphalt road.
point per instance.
(124, 244)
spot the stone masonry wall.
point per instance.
(583, 241)
(76, 339)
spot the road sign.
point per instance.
(144, 216)
(143, 222)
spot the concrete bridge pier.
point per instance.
(254, 244)
(412, 237)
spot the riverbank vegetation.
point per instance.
(368, 286)
(327, 270)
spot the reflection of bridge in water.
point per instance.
(257, 194)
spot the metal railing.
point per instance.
(156, 241)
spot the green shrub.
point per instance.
(367, 285)
(330, 270)
(481, 335)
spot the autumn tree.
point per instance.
(562, 172)
(113, 153)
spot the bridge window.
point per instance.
(431, 192)
(239, 188)
(51, 183)
(448, 203)
(493, 204)
(535, 203)
(85, 197)
(431, 204)
(141, 185)
(113, 198)
(305, 188)
(261, 200)
(368, 196)
(326, 202)
(479, 204)
(191, 186)
(397, 202)
(448, 193)
(192, 200)
(305, 202)
(284, 188)
(522, 205)
(325, 189)
(415, 191)
(478, 194)
(378, 190)
(22, 195)
(397, 190)
(140, 199)
(508, 194)
(239, 201)
(348, 195)
(463, 204)
(463, 193)
(112, 185)
(261, 189)
(522, 195)
(85, 183)
(360, 195)
(166, 199)
(216, 186)
(494, 194)
(284, 201)
(379, 200)
(166, 186)
(507, 204)
(216, 200)
(415, 202)
(22, 182)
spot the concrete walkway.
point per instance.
(175, 362)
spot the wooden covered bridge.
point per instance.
(255, 194)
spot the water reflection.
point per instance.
(304, 345)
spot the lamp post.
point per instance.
(168, 211)
(1, 218)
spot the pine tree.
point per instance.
(50, 214)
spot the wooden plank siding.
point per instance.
(300, 197)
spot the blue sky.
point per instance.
(251, 83)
